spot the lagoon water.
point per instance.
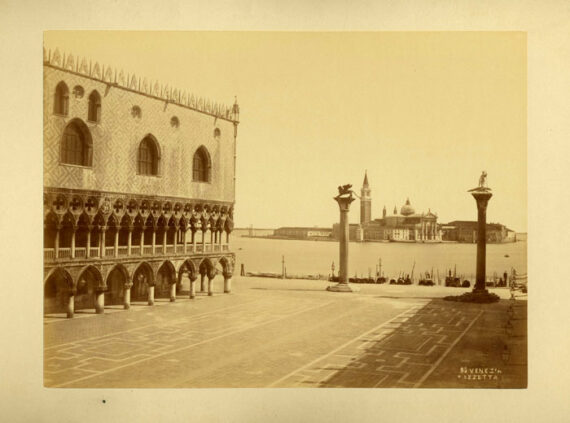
(316, 257)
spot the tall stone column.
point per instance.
(482, 198)
(153, 239)
(173, 292)
(343, 199)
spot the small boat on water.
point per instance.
(506, 255)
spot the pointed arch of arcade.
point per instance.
(117, 279)
(226, 265)
(206, 265)
(143, 277)
(165, 277)
(58, 286)
(89, 282)
(188, 267)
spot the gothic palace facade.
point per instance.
(139, 188)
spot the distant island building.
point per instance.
(466, 231)
(303, 233)
(405, 226)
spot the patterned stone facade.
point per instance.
(110, 228)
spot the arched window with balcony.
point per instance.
(94, 111)
(201, 165)
(148, 156)
(76, 144)
(61, 99)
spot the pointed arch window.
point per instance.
(201, 166)
(148, 157)
(76, 145)
(94, 112)
(61, 99)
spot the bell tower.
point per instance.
(365, 201)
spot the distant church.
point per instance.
(406, 226)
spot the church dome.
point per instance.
(407, 209)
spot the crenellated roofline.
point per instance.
(108, 75)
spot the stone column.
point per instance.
(102, 231)
(173, 292)
(73, 230)
(100, 301)
(192, 278)
(164, 236)
(56, 242)
(211, 276)
(127, 296)
(129, 240)
(203, 241)
(184, 238)
(194, 231)
(227, 282)
(116, 244)
(175, 243)
(142, 241)
(482, 198)
(151, 295)
(343, 200)
(70, 306)
(88, 246)
(202, 280)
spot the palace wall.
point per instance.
(117, 136)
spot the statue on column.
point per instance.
(482, 184)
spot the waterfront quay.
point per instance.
(292, 333)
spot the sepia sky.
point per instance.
(424, 113)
